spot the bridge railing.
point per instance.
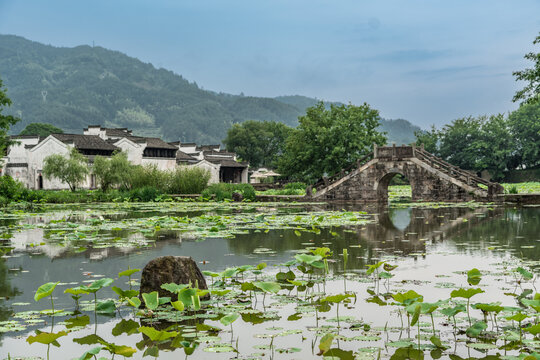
(468, 177)
(327, 181)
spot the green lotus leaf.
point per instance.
(151, 300)
(465, 293)
(268, 286)
(229, 319)
(45, 337)
(128, 272)
(156, 335)
(45, 290)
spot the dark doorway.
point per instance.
(40, 181)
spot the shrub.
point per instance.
(11, 189)
(147, 176)
(145, 193)
(187, 180)
(295, 186)
(224, 191)
(512, 190)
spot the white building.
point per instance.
(25, 159)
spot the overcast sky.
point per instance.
(426, 61)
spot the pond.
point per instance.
(288, 281)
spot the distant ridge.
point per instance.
(74, 87)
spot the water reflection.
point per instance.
(397, 232)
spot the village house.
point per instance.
(25, 159)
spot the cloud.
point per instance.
(412, 55)
(450, 71)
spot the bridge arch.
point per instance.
(431, 178)
(381, 185)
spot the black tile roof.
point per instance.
(85, 142)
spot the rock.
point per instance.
(236, 196)
(171, 269)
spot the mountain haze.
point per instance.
(75, 87)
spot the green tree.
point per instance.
(328, 140)
(71, 170)
(460, 142)
(530, 94)
(112, 172)
(41, 129)
(6, 121)
(258, 142)
(430, 139)
(495, 146)
(524, 126)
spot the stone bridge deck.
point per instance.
(431, 178)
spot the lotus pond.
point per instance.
(287, 281)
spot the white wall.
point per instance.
(213, 169)
(133, 150)
(161, 163)
(36, 158)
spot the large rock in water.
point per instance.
(171, 269)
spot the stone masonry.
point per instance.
(431, 179)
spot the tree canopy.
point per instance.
(328, 140)
(41, 129)
(530, 94)
(524, 125)
(6, 121)
(259, 142)
(495, 143)
(71, 170)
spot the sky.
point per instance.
(428, 61)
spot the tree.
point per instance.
(495, 146)
(430, 140)
(459, 144)
(258, 142)
(530, 94)
(328, 140)
(112, 172)
(524, 126)
(41, 129)
(71, 170)
(6, 121)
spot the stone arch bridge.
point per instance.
(431, 178)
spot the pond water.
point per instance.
(433, 246)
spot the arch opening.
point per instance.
(394, 186)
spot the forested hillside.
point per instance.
(75, 87)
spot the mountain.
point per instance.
(75, 87)
(399, 131)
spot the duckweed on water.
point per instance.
(298, 309)
(331, 325)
